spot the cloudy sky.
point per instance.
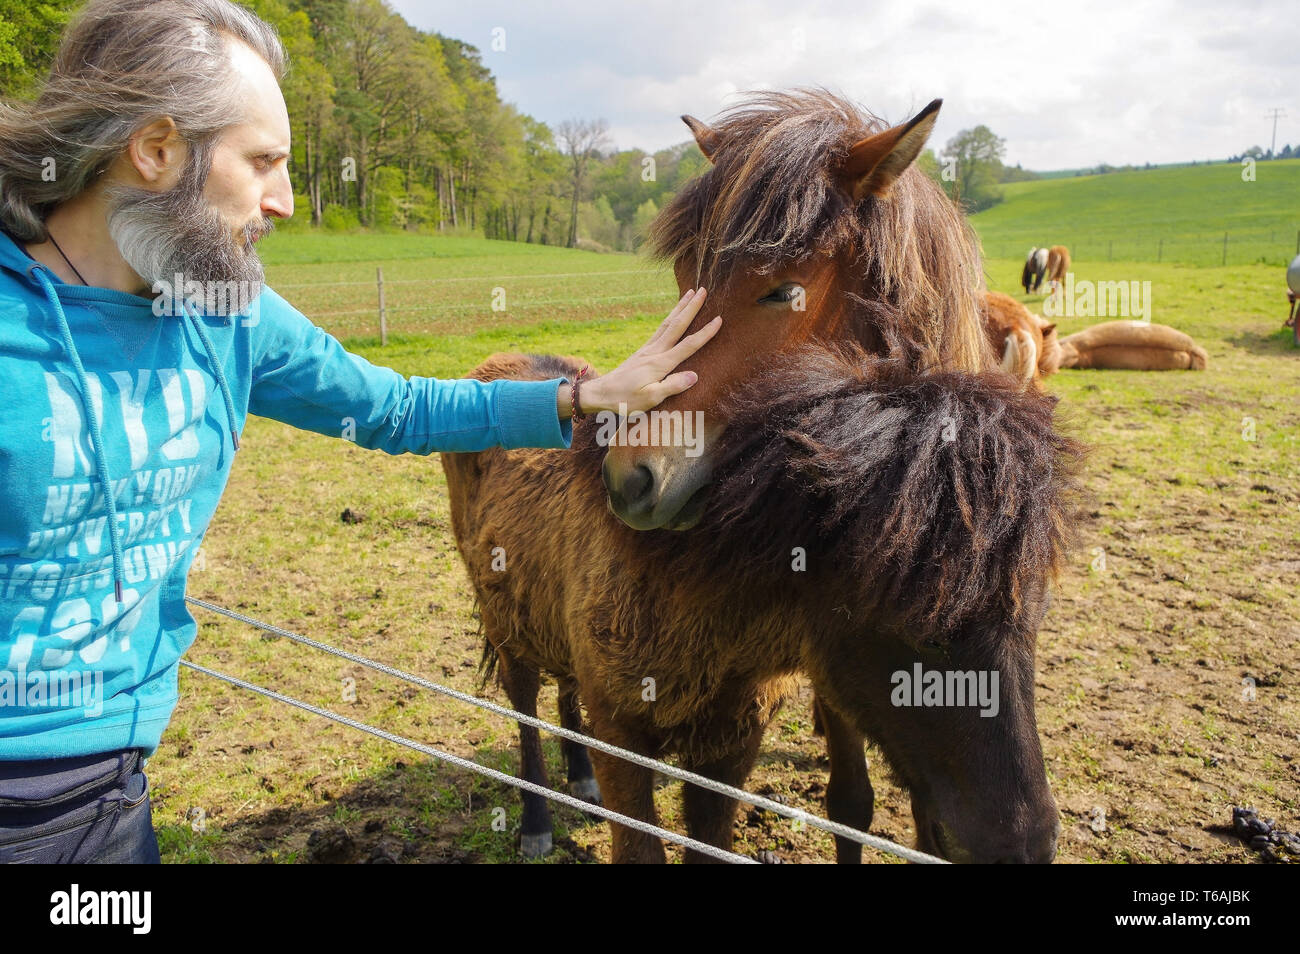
(1117, 82)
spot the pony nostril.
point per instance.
(638, 484)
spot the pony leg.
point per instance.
(626, 788)
(582, 778)
(709, 816)
(521, 683)
(850, 799)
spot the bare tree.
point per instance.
(580, 138)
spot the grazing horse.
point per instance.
(1058, 263)
(852, 490)
(1027, 342)
(1031, 277)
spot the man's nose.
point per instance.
(280, 202)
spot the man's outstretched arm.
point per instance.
(304, 377)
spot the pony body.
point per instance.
(1132, 346)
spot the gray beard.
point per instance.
(176, 237)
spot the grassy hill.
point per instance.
(1167, 214)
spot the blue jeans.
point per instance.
(90, 809)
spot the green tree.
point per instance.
(645, 214)
(976, 159)
(581, 139)
(29, 38)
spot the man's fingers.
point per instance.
(675, 383)
(678, 320)
(692, 343)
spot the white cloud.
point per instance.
(1119, 81)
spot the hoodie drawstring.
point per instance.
(217, 372)
(96, 436)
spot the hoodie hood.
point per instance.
(56, 293)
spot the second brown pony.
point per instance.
(1058, 263)
(1027, 342)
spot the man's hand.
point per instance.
(639, 383)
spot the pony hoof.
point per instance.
(587, 790)
(535, 846)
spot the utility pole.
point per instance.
(1275, 113)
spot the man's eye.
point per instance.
(784, 294)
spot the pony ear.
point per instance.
(875, 163)
(705, 137)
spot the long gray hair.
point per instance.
(122, 65)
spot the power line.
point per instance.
(1274, 113)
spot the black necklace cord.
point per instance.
(66, 259)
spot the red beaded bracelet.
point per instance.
(573, 396)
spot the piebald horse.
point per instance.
(1031, 276)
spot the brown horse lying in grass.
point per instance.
(874, 501)
(1027, 342)
(1132, 346)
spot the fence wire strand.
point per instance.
(758, 801)
(561, 797)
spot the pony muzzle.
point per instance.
(656, 492)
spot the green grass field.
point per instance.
(442, 286)
(1172, 214)
(1187, 583)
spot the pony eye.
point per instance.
(784, 294)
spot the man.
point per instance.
(153, 160)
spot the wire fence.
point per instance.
(1207, 249)
(560, 797)
(465, 304)
(460, 305)
(672, 771)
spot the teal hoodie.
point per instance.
(104, 393)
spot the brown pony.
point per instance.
(1058, 263)
(872, 499)
(1027, 342)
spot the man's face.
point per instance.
(249, 180)
(206, 231)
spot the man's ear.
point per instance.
(157, 153)
(875, 163)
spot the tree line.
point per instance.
(395, 127)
